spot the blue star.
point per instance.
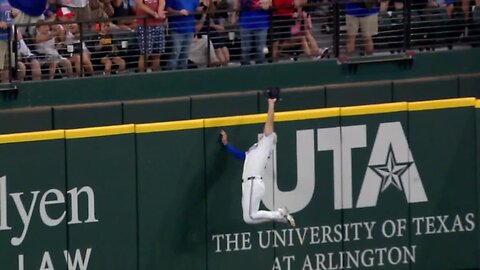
(391, 171)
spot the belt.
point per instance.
(254, 177)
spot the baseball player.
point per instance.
(253, 187)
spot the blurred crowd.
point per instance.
(73, 38)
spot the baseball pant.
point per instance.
(252, 193)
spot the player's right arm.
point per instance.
(230, 149)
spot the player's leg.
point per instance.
(268, 129)
(253, 191)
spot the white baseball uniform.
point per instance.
(253, 187)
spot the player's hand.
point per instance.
(3, 25)
(272, 101)
(223, 137)
(183, 12)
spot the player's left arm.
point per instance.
(230, 149)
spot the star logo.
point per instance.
(391, 171)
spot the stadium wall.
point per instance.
(386, 186)
(235, 103)
(235, 79)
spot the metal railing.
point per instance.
(314, 31)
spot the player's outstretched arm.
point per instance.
(230, 149)
(268, 129)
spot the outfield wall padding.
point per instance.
(425, 89)
(358, 94)
(239, 102)
(25, 120)
(468, 86)
(87, 115)
(156, 110)
(224, 104)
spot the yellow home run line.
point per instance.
(238, 120)
(441, 104)
(99, 131)
(32, 136)
(169, 126)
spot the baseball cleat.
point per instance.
(286, 215)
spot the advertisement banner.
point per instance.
(34, 201)
(101, 171)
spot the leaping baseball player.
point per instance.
(254, 166)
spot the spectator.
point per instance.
(80, 9)
(218, 13)
(5, 24)
(447, 5)
(385, 5)
(466, 16)
(124, 8)
(78, 51)
(253, 28)
(201, 50)
(27, 12)
(151, 39)
(46, 44)
(182, 27)
(26, 58)
(210, 37)
(363, 15)
(282, 21)
(69, 37)
(106, 50)
(50, 13)
(309, 43)
(100, 9)
(133, 6)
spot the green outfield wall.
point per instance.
(235, 103)
(386, 186)
(246, 78)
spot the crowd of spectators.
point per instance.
(74, 38)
